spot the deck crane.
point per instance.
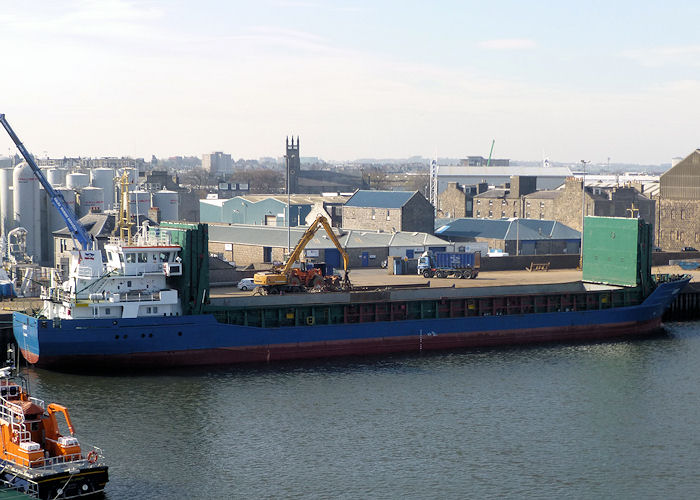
(289, 278)
(77, 230)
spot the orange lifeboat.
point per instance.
(36, 458)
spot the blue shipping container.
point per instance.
(454, 260)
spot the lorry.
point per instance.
(443, 264)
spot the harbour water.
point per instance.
(605, 420)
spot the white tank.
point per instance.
(77, 180)
(168, 202)
(57, 176)
(91, 199)
(6, 214)
(142, 199)
(56, 222)
(104, 178)
(26, 207)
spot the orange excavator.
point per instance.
(294, 279)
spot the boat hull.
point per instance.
(201, 340)
(86, 482)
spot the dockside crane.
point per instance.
(77, 230)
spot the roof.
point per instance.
(460, 170)
(99, 224)
(493, 193)
(274, 236)
(380, 199)
(506, 229)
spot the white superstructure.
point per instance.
(130, 284)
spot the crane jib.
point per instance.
(76, 229)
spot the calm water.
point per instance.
(584, 421)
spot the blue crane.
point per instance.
(77, 230)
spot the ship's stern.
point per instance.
(26, 331)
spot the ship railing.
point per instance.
(12, 413)
(27, 486)
(58, 463)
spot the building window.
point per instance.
(541, 215)
(490, 213)
(478, 213)
(515, 214)
(527, 203)
(542, 204)
(673, 214)
(503, 202)
(478, 202)
(682, 214)
(490, 202)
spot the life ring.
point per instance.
(92, 457)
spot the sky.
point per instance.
(571, 81)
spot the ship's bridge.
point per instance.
(147, 256)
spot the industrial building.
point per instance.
(24, 203)
(255, 245)
(547, 177)
(513, 236)
(271, 210)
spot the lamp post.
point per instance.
(289, 227)
(583, 208)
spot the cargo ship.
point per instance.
(36, 459)
(147, 305)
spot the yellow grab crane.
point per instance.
(290, 278)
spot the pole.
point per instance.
(583, 208)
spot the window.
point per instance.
(130, 258)
(128, 283)
(542, 204)
(143, 257)
(503, 202)
(541, 215)
(478, 202)
(490, 202)
(478, 213)
(490, 213)
(155, 310)
(503, 214)
(164, 256)
(107, 311)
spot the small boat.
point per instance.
(36, 459)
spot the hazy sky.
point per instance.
(573, 80)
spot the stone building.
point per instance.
(457, 200)
(564, 204)
(390, 211)
(678, 224)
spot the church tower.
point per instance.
(293, 165)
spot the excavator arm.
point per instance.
(282, 277)
(307, 236)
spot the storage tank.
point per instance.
(139, 202)
(90, 198)
(56, 222)
(104, 178)
(77, 180)
(57, 176)
(168, 202)
(6, 214)
(26, 207)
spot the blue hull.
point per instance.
(200, 339)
